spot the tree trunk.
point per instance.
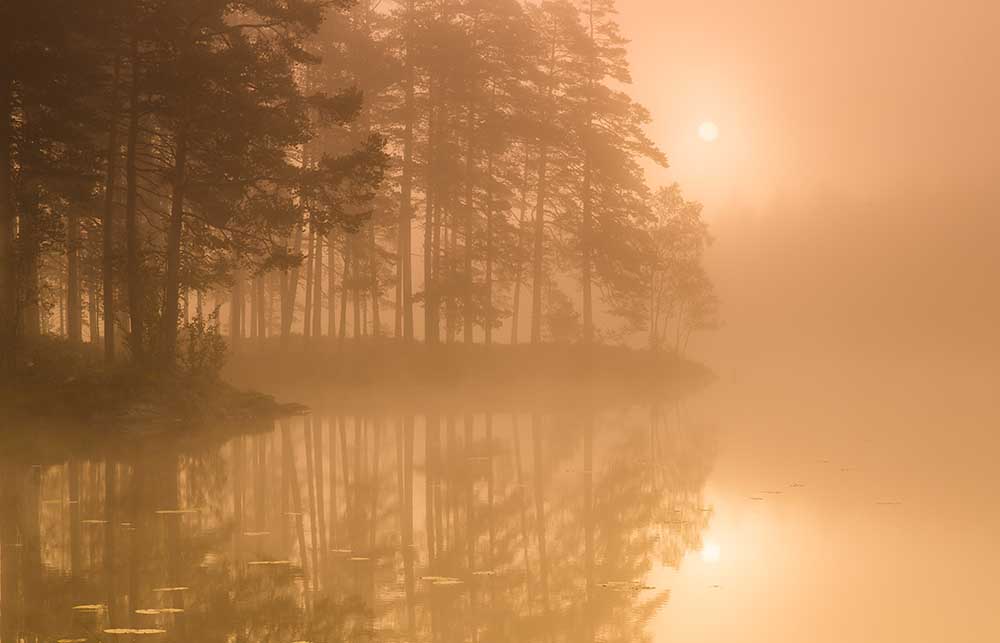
(345, 283)
(331, 287)
(261, 315)
(29, 240)
(254, 305)
(355, 286)
(132, 268)
(539, 248)
(488, 295)
(74, 299)
(406, 190)
(586, 228)
(289, 290)
(373, 280)
(431, 328)
(107, 221)
(310, 263)
(93, 315)
(171, 290)
(236, 312)
(317, 302)
(8, 280)
(467, 301)
(518, 273)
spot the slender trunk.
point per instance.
(406, 189)
(29, 241)
(132, 268)
(488, 293)
(317, 300)
(289, 290)
(519, 271)
(539, 249)
(467, 306)
(538, 259)
(310, 269)
(93, 315)
(252, 331)
(355, 287)
(331, 287)
(431, 329)
(373, 280)
(74, 300)
(171, 290)
(586, 230)
(107, 221)
(236, 312)
(345, 283)
(8, 280)
(586, 249)
(261, 315)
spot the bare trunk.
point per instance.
(585, 243)
(406, 192)
(254, 305)
(519, 271)
(171, 290)
(373, 281)
(317, 300)
(74, 299)
(261, 315)
(289, 290)
(586, 229)
(345, 283)
(431, 327)
(93, 315)
(488, 295)
(467, 306)
(132, 268)
(331, 288)
(8, 281)
(310, 263)
(355, 286)
(107, 221)
(236, 312)
(539, 248)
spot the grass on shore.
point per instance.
(65, 385)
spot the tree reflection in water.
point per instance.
(443, 526)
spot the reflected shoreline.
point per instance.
(341, 526)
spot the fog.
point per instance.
(400, 321)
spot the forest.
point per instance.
(180, 175)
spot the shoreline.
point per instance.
(69, 388)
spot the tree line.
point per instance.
(424, 169)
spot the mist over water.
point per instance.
(828, 476)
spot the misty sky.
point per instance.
(863, 96)
(853, 190)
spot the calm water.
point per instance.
(749, 512)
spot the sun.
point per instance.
(708, 131)
(711, 553)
